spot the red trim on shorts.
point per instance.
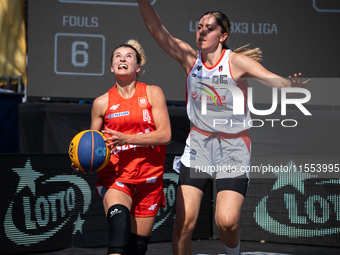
(243, 134)
(246, 140)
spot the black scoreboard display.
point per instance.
(70, 41)
(79, 62)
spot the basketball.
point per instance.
(88, 151)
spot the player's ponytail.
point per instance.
(255, 53)
(223, 21)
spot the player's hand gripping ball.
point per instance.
(88, 151)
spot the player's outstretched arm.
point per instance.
(175, 48)
(243, 66)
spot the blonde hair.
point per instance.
(255, 53)
(139, 49)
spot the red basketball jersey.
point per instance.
(132, 163)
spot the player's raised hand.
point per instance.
(297, 81)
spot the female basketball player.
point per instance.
(212, 70)
(136, 121)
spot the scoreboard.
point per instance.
(70, 42)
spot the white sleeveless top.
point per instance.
(214, 83)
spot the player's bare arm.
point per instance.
(243, 66)
(98, 112)
(175, 48)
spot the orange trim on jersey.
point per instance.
(218, 61)
(192, 68)
(243, 85)
(230, 69)
(186, 83)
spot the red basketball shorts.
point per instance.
(146, 197)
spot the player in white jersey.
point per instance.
(213, 83)
(210, 73)
(202, 153)
(223, 157)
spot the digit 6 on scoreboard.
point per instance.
(83, 53)
(79, 54)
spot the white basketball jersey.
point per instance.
(220, 90)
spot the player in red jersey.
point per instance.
(134, 118)
(211, 37)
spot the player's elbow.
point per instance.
(151, 27)
(155, 29)
(166, 138)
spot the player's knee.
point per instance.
(227, 222)
(118, 217)
(185, 225)
(138, 244)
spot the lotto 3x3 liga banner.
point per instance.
(45, 206)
